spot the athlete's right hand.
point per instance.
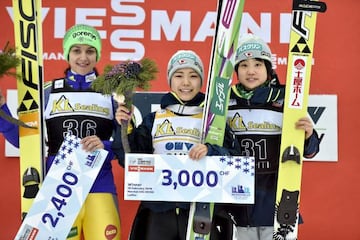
(122, 114)
(92, 143)
(198, 151)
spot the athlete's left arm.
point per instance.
(312, 145)
(9, 130)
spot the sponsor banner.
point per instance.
(322, 109)
(160, 177)
(143, 28)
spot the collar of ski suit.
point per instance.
(78, 81)
(241, 92)
(172, 102)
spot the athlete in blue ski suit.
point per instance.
(71, 106)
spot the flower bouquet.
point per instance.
(121, 80)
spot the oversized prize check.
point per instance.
(63, 192)
(160, 177)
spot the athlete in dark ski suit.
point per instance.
(141, 141)
(255, 116)
(266, 169)
(168, 220)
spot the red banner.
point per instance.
(155, 29)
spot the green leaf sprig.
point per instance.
(8, 61)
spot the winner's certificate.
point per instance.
(220, 179)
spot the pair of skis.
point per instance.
(229, 14)
(301, 46)
(28, 42)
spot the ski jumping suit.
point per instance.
(257, 127)
(71, 106)
(168, 220)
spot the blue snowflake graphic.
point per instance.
(244, 164)
(67, 147)
(222, 159)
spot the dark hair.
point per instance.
(269, 69)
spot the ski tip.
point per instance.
(313, 6)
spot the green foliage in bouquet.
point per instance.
(121, 81)
(8, 62)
